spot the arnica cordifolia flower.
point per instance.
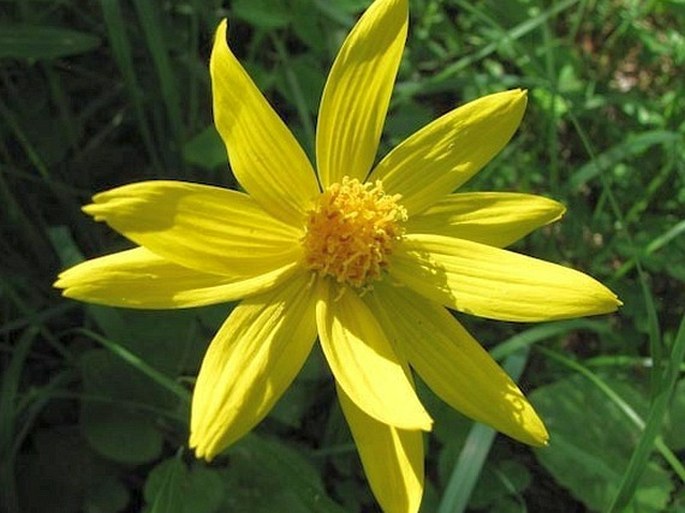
(369, 259)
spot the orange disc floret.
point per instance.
(351, 231)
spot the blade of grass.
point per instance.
(176, 415)
(40, 317)
(15, 216)
(121, 51)
(33, 155)
(9, 388)
(657, 412)
(300, 103)
(472, 457)
(28, 312)
(655, 344)
(552, 114)
(136, 362)
(546, 331)
(151, 24)
(35, 400)
(655, 245)
(467, 469)
(629, 147)
(627, 410)
(655, 184)
(509, 36)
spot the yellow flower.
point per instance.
(367, 258)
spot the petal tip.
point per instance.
(93, 210)
(610, 302)
(427, 423)
(541, 438)
(200, 450)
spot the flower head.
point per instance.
(366, 259)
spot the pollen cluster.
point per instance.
(351, 231)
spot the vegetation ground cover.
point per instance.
(94, 401)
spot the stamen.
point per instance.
(351, 231)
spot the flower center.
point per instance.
(351, 231)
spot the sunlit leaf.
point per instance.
(591, 442)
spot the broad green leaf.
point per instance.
(206, 150)
(294, 405)
(170, 340)
(120, 416)
(498, 483)
(591, 442)
(58, 472)
(167, 340)
(120, 433)
(43, 42)
(264, 476)
(107, 496)
(173, 487)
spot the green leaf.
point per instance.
(172, 487)
(675, 434)
(43, 42)
(121, 416)
(591, 442)
(166, 340)
(266, 14)
(206, 150)
(498, 483)
(407, 119)
(632, 146)
(121, 434)
(309, 80)
(108, 496)
(264, 476)
(58, 475)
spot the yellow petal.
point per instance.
(209, 229)
(357, 92)
(364, 363)
(491, 282)
(250, 363)
(493, 218)
(392, 459)
(454, 365)
(137, 278)
(265, 157)
(443, 155)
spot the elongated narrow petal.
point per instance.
(265, 157)
(364, 363)
(356, 96)
(454, 365)
(137, 278)
(493, 218)
(392, 459)
(495, 283)
(446, 153)
(209, 229)
(250, 363)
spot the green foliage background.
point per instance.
(94, 401)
